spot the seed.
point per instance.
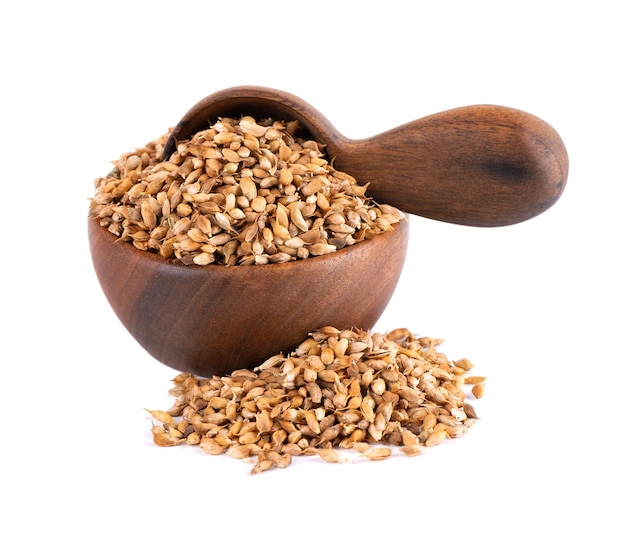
(248, 438)
(260, 466)
(478, 390)
(203, 259)
(263, 421)
(148, 215)
(311, 422)
(378, 386)
(464, 364)
(411, 450)
(250, 126)
(258, 204)
(211, 446)
(377, 453)
(162, 416)
(280, 460)
(472, 380)
(321, 249)
(436, 437)
(239, 451)
(330, 455)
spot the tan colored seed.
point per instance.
(263, 421)
(469, 411)
(280, 460)
(472, 380)
(211, 446)
(312, 422)
(162, 416)
(162, 439)
(204, 259)
(436, 437)
(377, 453)
(260, 466)
(239, 451)
(478, 390)
(411, 450)
(321, 249)
(249, 126)
(330, 455)
(464, 364)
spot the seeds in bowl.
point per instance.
(237, 193)
(339, 389)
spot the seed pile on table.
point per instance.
(339, 389)
(237, 193)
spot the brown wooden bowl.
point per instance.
(211, 320)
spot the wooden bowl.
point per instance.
(211, 320)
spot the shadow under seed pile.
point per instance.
(338, 389)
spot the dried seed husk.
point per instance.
(331, 455)
(261, 466)
(377, 453)
(411, 450)
(239, 451)
(472, 380)
(436, 437)
(478, 390)
(161, 416)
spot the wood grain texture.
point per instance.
(215, 319)
(481, 165)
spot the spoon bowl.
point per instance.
(215, 319)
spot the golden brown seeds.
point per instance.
(338, 389)
(249, 189)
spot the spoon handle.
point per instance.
(481, 165)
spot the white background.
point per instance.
(538, 306)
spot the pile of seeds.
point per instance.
(239, 192)
(339, 389)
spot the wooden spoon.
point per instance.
(482, 165)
